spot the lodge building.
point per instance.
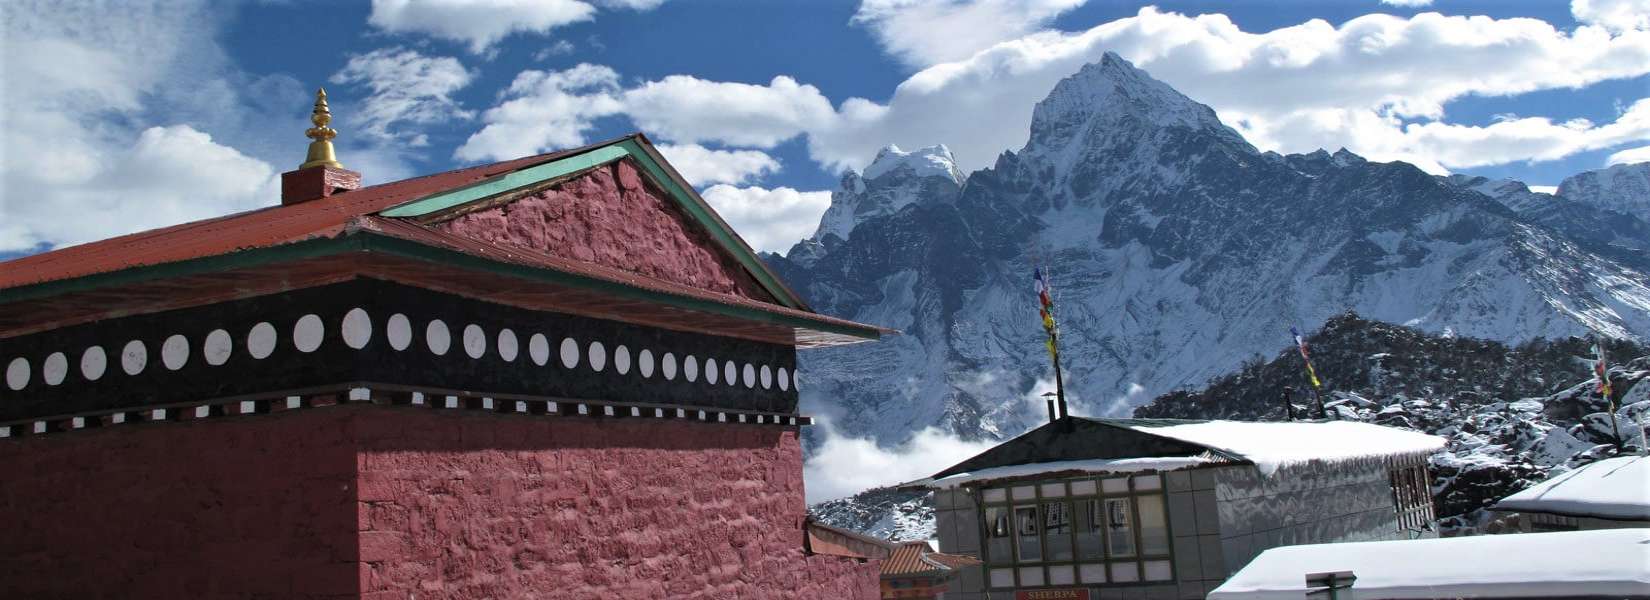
(1086, 508)
(557, 376)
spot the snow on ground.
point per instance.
(1274, 445)
(1610, 563)
(1613, 488)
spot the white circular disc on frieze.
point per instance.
(55, 369)
(437, 337)
(621, 359)
(398, 330)
(730, 373)
(767, 377)
(308, 333)
(17, 373)
(260, 341)
(796, 381)
(598, 356)
(356, 328)
(690, 368)
(784, 379)
(174, 352)
(93, 363)
(644, 363)
(750, 375)
(475, 341)
(508, 348)
(711, 373)
(668, 365)
(569, 352)
(538, 348)
(217, 347)
(134, 357)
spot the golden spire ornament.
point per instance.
(320, 150)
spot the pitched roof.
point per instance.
(819, 538)
(394, 210)
(1614, 488)
(918, 558)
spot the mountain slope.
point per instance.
(1177, 251)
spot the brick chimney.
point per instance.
(321, 175)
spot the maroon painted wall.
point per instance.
(611, 217)
(380, 502)
(234, 507)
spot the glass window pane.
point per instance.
(1031, 576)
(1002, 578)
(1090, 521)
(1154, 528)
(999, 545)
(1092, 573)
(1146, 483)
(1082, 488)
(1125, 572)
(1025, 492)
(996, 495)
(1115, 485)
(1057, 529)
(1119, 529)
(1031, 546)
(1054, 490)
(1158, 570)
(1061, 575)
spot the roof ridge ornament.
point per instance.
(320, 150)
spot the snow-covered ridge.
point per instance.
(932, 161)
(1621, 188)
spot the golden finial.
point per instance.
(320, 150)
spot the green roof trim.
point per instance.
(687, 199)
(367, 241)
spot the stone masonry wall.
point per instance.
(237, 507)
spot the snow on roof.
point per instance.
(1595, 564)
(1273, 445)
(1112, 465)
(1613, 488)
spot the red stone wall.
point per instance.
(611, 217)
(234, 507)
(479, 506)
(365, 501)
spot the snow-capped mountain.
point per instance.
(1177, 251)
(1589, 216)
(1621, 188)
(894, 180)
(1513, 416)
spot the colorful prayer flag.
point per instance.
(1600, 369)
(1300, 343)
(1045, 309)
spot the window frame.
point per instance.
(1072, 500)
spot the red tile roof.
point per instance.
(918, 558)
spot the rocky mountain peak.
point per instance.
(932, 161)
(1112, 98)
(894, 180)
(1621, 188)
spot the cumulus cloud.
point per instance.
(843, 466)
(924, 32)
(407, 89)
(1629, 156)
(770, 220)
(703, 166)
(544, 110)
(1407, 3)
(1615, 15)
(1292, 89)
(479, 23)
(687, 109)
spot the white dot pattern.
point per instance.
(598, 357)
(17, 373)
(538, 348)
(356, 329)
(93, 363)
(711, 374)
(308, 333)
(621, 360)
(398, 330)
(767, 377)
(55, 369)
(507, 347)
(260, 341)
(644, 363)
(730, 373)
(437, 337)
(174, 352)
(134, 357)
(750, 375)
(569, 353)
(669, 366)
(690, 368)
(217, 347)
(784, 379)
(475, 341)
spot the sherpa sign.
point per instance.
(1073, 594)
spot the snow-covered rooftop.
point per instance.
(1614, 488)
(1607, 563)
(1272, 445)
(1114, 465)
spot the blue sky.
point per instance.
(136, 117)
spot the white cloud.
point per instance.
(687, 109)
(1629, 156)
(408, 89)
(631, 4)
(926, 32)
(1407, 3)
(1292, 89)
(1615, 15)
(559, 48)
(769, 220)
(703, 166)
(544, 110)
(479, 23)
(844, 466)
